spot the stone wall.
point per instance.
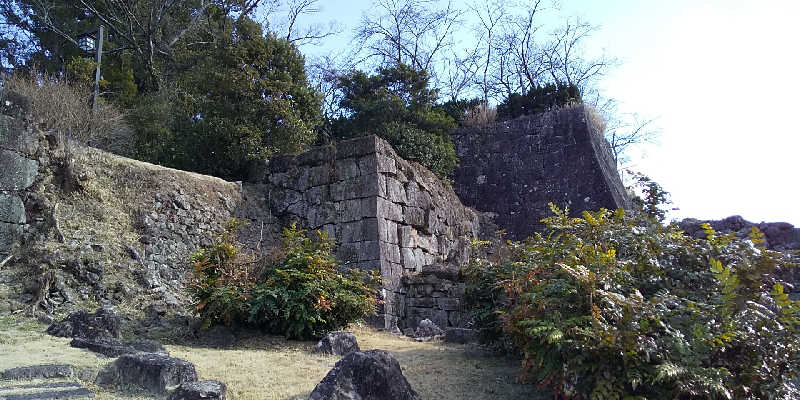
(385, 213)
(20, 166)
(434, 293)
(515, 168)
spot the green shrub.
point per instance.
(397, 105)
(615, 305)
(301, 296)
(539, 99)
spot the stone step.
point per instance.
(45, 391)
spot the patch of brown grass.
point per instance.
(64, 106)
(269, 367)
(479, 115)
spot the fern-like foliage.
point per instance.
(617, 305)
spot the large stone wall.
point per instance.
(19, 165)
(122, 220)
(386, 213)
(515, 168)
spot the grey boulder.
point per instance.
(38, 372)
(365, 375)
(202, 390)
(115, 348)
(154, 372)
(337, 342)
(428, 329)
(104, 323)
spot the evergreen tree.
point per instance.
(397, 104)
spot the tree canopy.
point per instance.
(398, 105)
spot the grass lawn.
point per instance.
(270, 367)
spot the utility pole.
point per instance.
(98, 56)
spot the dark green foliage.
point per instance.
(240, 98)
(397, 104)
(301, 296)
(617, 306)
(456, 109)
(539, 99)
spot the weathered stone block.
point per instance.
(408, 236)
(316, 156)
(347, 169)
(448, 303)
(370, 250)
(385, 164)
(315, 195)
(414, 216)
(348, 252)
(356, 147)
(439, 318)
(419, 257)
(395, 191)
(429, 243)
(351, 232)
(388, 231)
(408, 260)
(12, 210)
(389, 210)
(322, 214)
(13, 136)
(390, 252)
(151, 371)
(18, 172)
(369, 228)
(368, 164)
(8, 234)
(320, 175)
(350, 210)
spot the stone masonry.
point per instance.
(515, 168)
(386, 213)
(19, 166)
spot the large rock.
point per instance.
(365, 375)
(427, 329)
(202, 390)
(154, 372)
(337, 342)
(38, 372)
(104, 323)
(115, 348)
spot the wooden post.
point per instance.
(98, 58)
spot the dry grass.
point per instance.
(272, 368)
(24, 343)
(66, 107)
(479, 115)
(269, 367)
(594, 119)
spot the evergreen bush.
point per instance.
(616, 305)
(302, 295)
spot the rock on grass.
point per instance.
(367, 375)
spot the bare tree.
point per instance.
(565, 58)
(412, 32)
(623, 131)
(285, 18)
(490, 15)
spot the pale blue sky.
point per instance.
(722, 78)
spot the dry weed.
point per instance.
(64, 106)
(479, 115)
(269, 367)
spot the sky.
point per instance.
(722, 78)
